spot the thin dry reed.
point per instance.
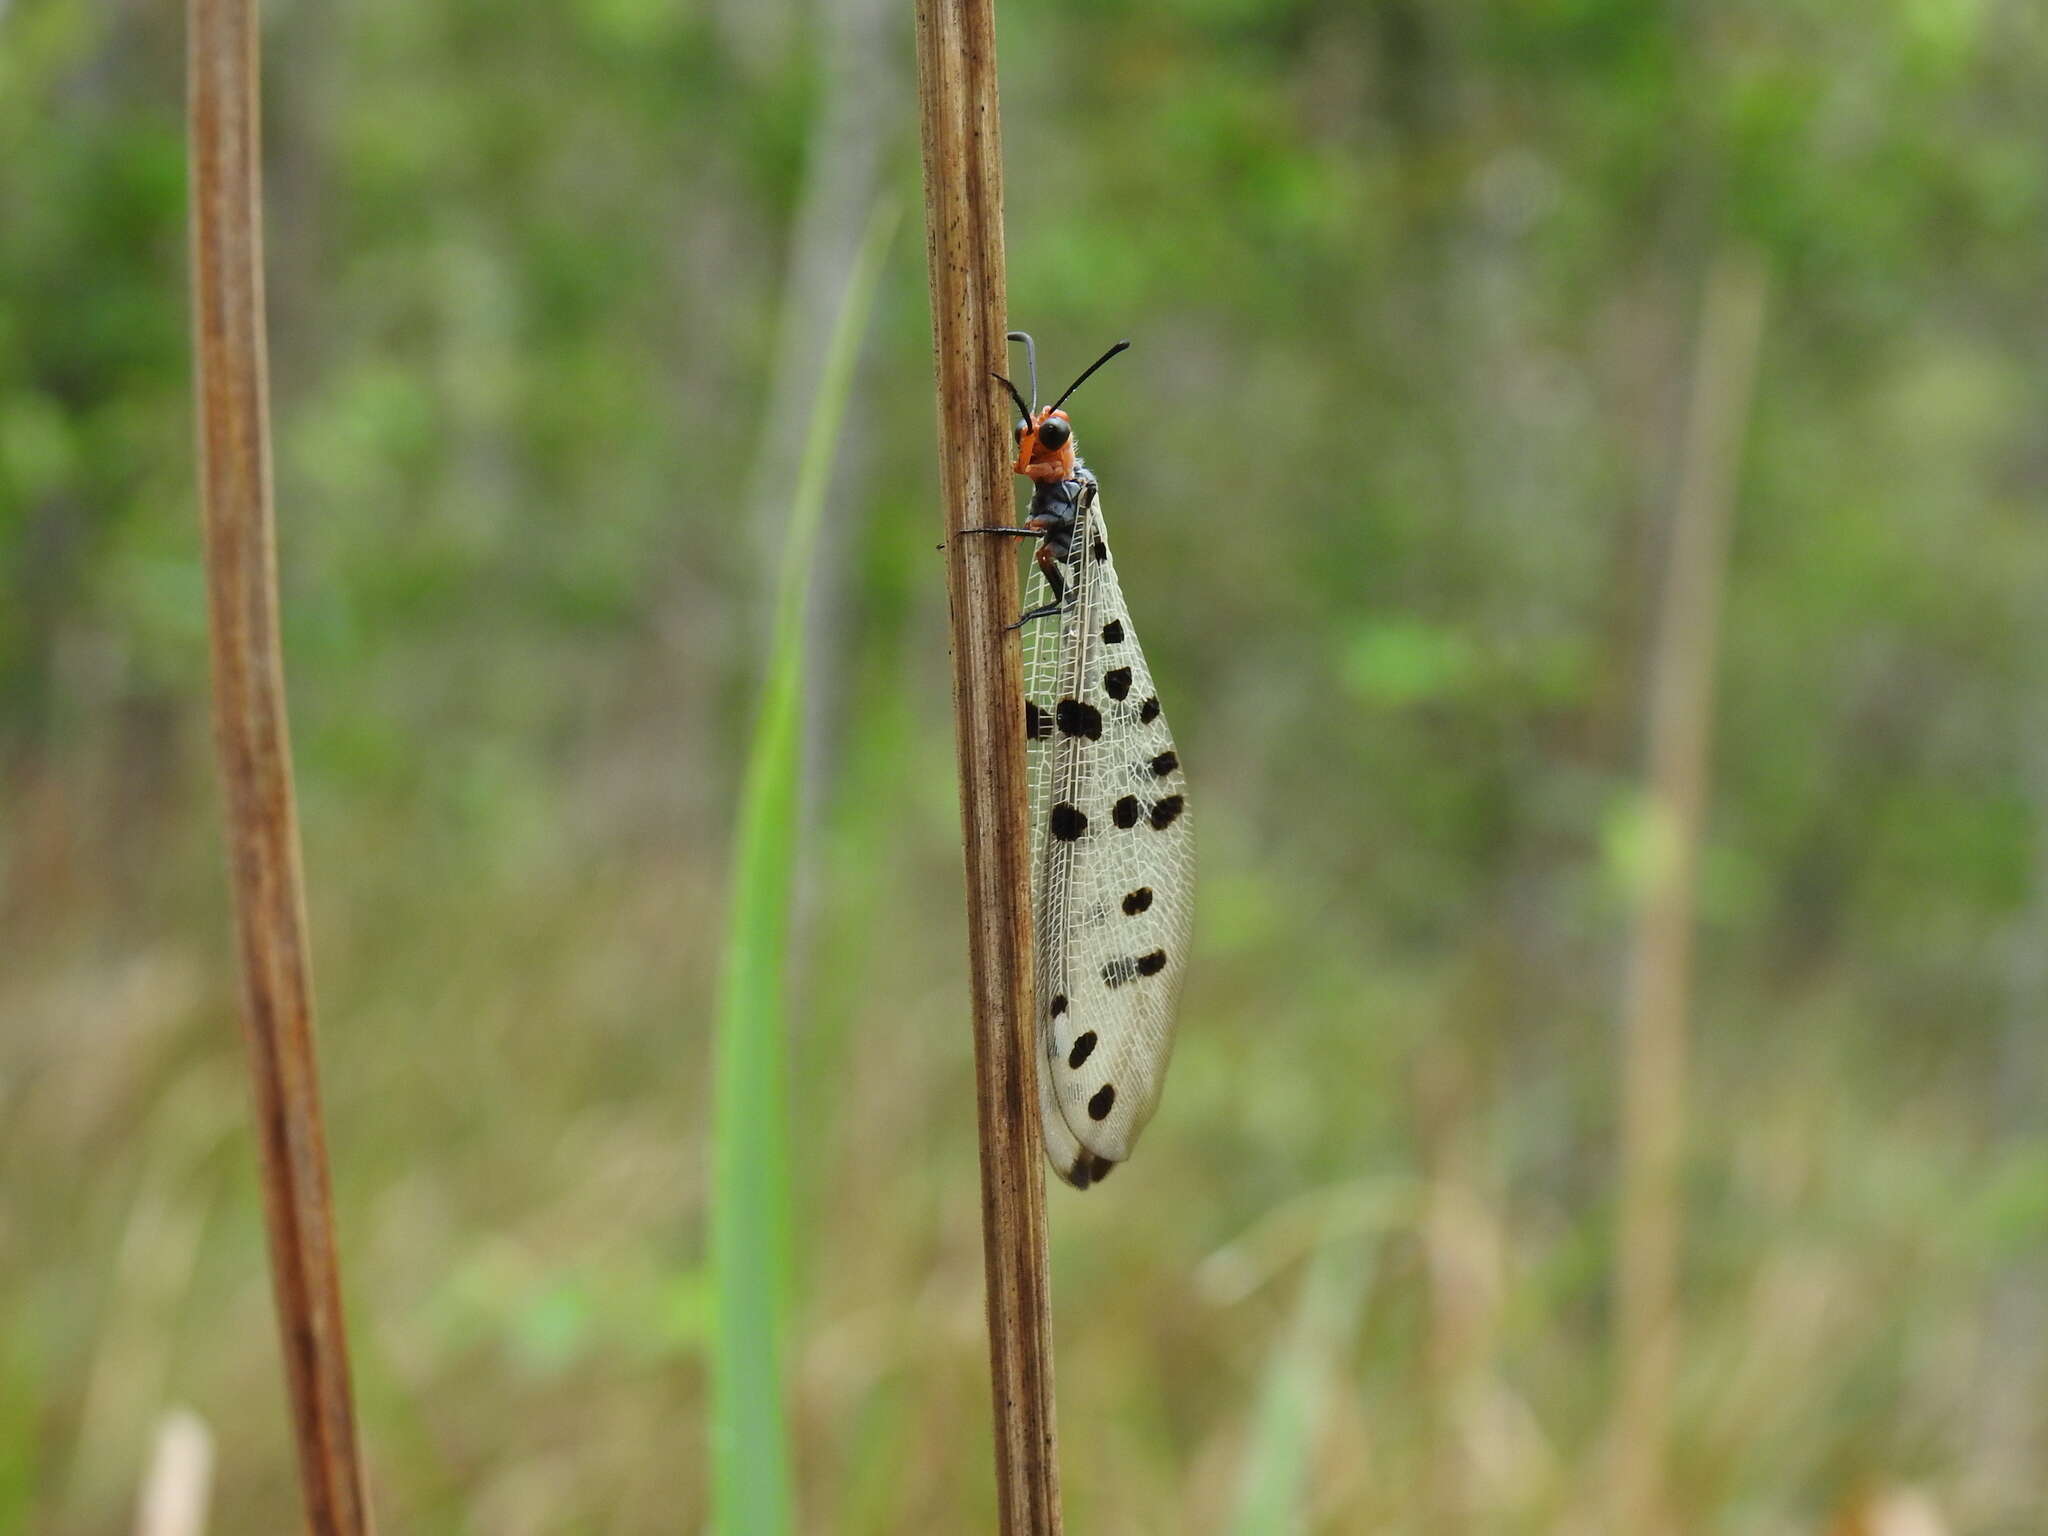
(1660, 960)
(964, 244)
(255, 752)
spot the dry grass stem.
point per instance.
(1660, 960)
(255, 752)
(964, 240)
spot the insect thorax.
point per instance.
(1056, 507)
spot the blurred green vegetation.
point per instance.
(1414, 289)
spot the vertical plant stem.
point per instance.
(1660, 960)
(1459, 1250)
(1302, 1374)
(750, 1147)
(963, 191)
(254, 744)
(179, 1483)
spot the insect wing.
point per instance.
(1112, 871)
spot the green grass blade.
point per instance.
(750, 1193)
(1304, 1369)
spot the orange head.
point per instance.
(1046, 451)
(1045, 438)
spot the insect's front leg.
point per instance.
(1059, 539)
(1049, 565)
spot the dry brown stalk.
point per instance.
(1660, 959)
(963, 184)
(251, 735)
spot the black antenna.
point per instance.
(1030, 357)
(1112, 352)
(1014, 396)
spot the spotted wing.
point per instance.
(1112, 868)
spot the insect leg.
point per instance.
(1021, 533)
(1049, 559)
(1048, 563)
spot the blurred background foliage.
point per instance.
(1415, 291)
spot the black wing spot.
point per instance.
(1125, 812)
(1084, 1047)
(1099, 550)
(1103, 1102)
(1149, 710)
(1068, 823)
(1083, 1173)
(1138, 901)
(1059, 1006)
(1037, 723)
(1117, 681)
(1079, 719)
(1098, 1168)
(1113, 632)
(1152, 964)
(1164, 764)
(1166, 812)
(1119, 971)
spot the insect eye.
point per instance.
(1053, 433)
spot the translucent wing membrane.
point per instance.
(1112, 867)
